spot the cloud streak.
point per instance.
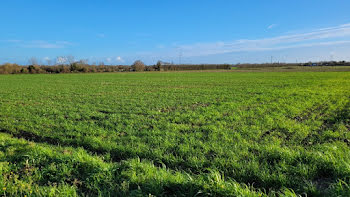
(101, 35)
(325, 36)
(41, 44)
(271, 26)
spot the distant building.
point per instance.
(164, 63)
(311, 64)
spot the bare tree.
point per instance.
(158, 66)
(84, 61)
(34, 67)
(70, 59)
(33, 61)
(138, 65)
(49, 62)
(61, 60)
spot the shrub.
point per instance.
(33, 69)
(9, 68)
(138, 66)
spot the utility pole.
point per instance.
(180, 56)
(271, 59)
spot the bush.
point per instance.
(34, 69)
(138, 66)
(10, 69)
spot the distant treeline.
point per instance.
(37, 69)
(324, 63)
(77, 67)
(139, 66)
(265, 65)
(193, 67)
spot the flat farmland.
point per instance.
(175, 134)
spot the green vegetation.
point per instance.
(175, 134)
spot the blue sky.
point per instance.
(202, 31)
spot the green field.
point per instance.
(175, 134)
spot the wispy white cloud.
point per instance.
(11, 41)
(326, 36)
(271, 26)
(160, 46)
(143, 34)
(45, 44)
(113, 59)
(39, 44)
(119, 59)
(101, 35)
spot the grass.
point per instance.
(175, 134)
(283, 68)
